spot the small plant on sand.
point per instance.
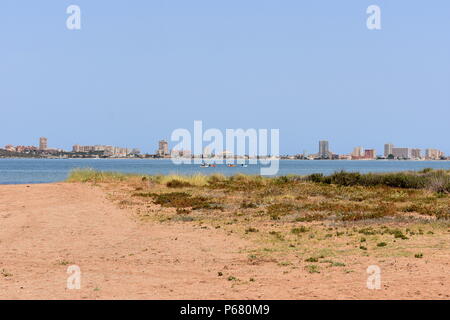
(177, 184)
(277, 235)
(333, 263)
(6, 273)
(183, 211)
(248, 205)
(338, 264)
(398, 234)
(252, 257)
(367, 231)
(381, 244)
(418, 255)
(301, 229)
(63, 262)
(312, 259)
(312, 268)
(251, 229)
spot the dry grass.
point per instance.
(90, 175)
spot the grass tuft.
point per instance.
(91, 175)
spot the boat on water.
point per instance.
(204, 165)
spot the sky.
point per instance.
(137, 70)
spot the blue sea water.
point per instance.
(21, 171)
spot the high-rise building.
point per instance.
(369, 154)
(207, 152)
(10, 147)
(388, 149)
(324, 150)
(78, 148)
(106, 150)
(433, 154)
(163, 148)
(416, 153)
(402, 153)
(358, 152)
(42, 143)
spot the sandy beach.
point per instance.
(45, 228)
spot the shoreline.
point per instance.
(66, 172)
(212, 159)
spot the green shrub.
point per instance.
(302, 229)
(435, 180)
(438, 181)
(179, 200)
(403, 180)
(280, 209)
(346, 178)
(177, 184)
(315, 177)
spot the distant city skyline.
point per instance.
(134, 73)
(165, 150)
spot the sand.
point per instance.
(46, 228)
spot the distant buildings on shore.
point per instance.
(107, 151)
(433, 154)
(391, 152)
(324, 150)
(163, 149)
(43, 151)
(42, 143)
(388, 149)
(359, 153)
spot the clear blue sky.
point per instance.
(139, 69)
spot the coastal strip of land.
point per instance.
(169, 237)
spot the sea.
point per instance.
(27, 171)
